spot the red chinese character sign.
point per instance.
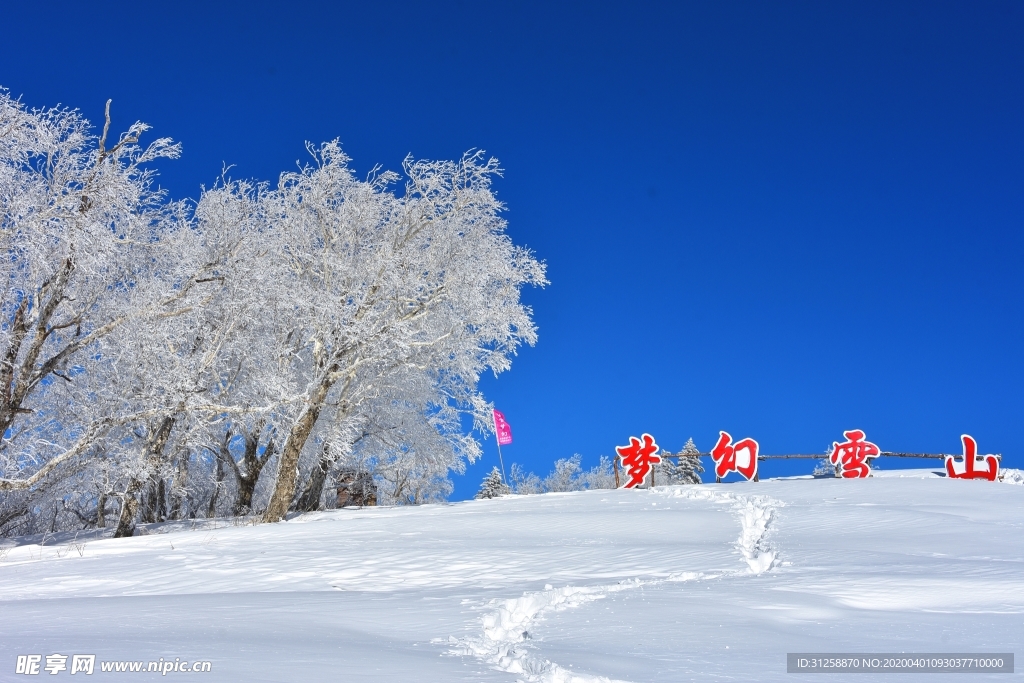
(738, 457)
(851, 457)
(974, 466)
(638, 458)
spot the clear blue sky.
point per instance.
(778, 219)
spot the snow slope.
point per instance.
(711, 582)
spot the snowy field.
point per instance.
(701, 583)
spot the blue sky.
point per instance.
(778, 219)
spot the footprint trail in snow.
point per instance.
(508, 622)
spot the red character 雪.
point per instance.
(851, 456)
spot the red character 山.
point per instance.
(971, 463)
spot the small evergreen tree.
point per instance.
(686, 469)
(825, 468)
(493, 486)
(689, 463)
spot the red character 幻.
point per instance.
(739, 457)
(971, 462)
(638, 458)
(851, 457)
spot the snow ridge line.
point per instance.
(507, 626)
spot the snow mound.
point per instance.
(1010, 476)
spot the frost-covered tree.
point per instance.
(824, 467)
(208, 376)
(397, 438)
(565, 476)
(244, 353)
(523, 482)
(388, 289)
(689, 465)
(493, 486)
(600, 476)
(77, 218)
(685, 469)
(568, 475)
(257, 447)
(91, 251)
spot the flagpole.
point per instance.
(501, 460)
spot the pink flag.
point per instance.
(503, 429)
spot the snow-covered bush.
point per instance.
(565, 476)
(523, 482)
(824, 467)
(600, 476)
(568, 475)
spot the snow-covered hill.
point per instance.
(710, 582)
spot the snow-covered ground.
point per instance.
(713, 582)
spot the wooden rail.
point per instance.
(819, 456)
(822, 456)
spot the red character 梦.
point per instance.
(638, 458)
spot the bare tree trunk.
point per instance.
(211, 511)
(21, 372)
(101, 513)
(12, 515)
(246, 487)
(252, 463)
(288, 467)
(130, 503)
(310, 498)
(148, 511)
(129, 507)
(178, 486)
(161, 500)
(155, 509)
